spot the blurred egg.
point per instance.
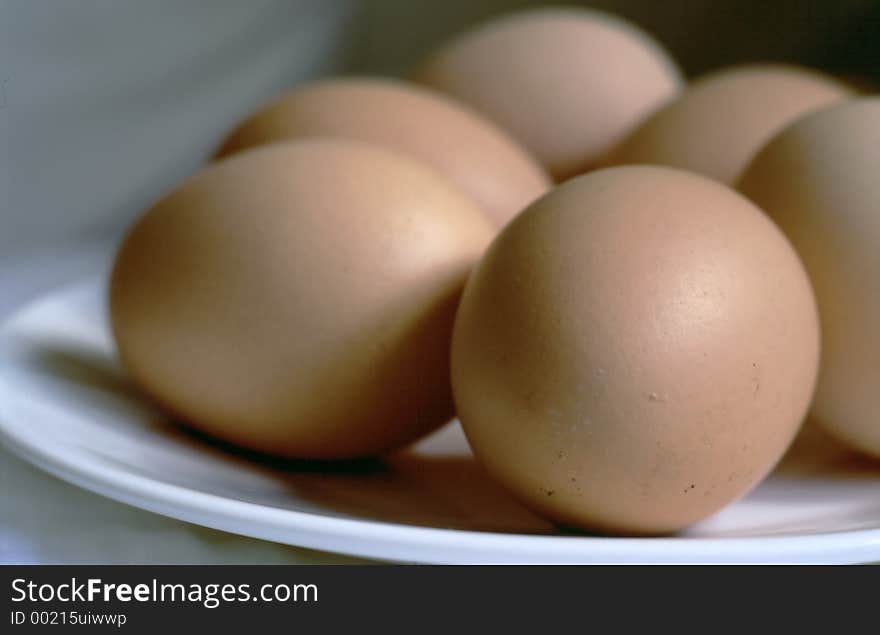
(724, 118)
(636, 350)
(458, 142)
(818, 180)
(568, 83)
(298, 299)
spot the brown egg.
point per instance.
(634, 351)
(298, 299)
(478, 156)
(724, 118)
(568, 83)
(818, 180)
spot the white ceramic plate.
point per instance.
(65, 406)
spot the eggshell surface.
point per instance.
(636, 350)
(723, 119)
(298, 299)
(818, 180)
(450, 137)
(567, 83)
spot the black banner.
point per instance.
(328, 597)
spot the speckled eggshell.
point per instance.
(298, 299)
(635, 351)
(425, 125)
(820, 181)
(724, 118)
(568, 83)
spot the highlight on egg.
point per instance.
(425, 125)
(635, 351)
(568, 83)
(298, 298)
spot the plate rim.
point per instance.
(399, 542)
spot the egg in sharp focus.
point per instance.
(636, 350)
(818, 180)
(425, 125)
(298, 299)
(568, 83)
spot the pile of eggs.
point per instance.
(630, 291)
